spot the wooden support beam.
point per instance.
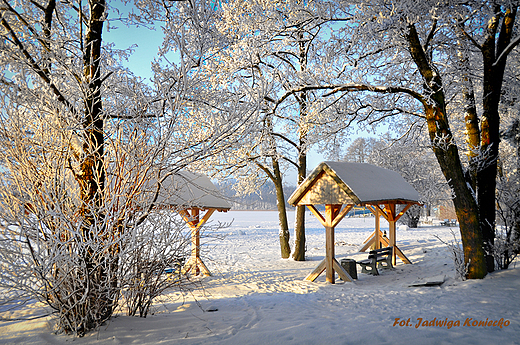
(318, 215)
(371, 240)
(337, 267)
(341, 215)
(403, 211)
(382, 212)
(333, 215)
(195, 222)
(197, 265)
(398, 251)
(377, 232)
(206, 217)
(368, 242)
(316, 272)
(390, 211)
(329, 254)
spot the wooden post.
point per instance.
(195, 223)
(332, 217)
(390, 211)
(195, 239)
(329, 243)
(329, 254)
(378, 231)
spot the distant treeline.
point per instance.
(263, 199)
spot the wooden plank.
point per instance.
(342, 214)
(204, 219)
(432, 281)
(317, 271)
(368, 243)
(341, 272)
(377, 232)
(317, 213)
(402, 212)
(398, 251)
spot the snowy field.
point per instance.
(254, 297)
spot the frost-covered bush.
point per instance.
(152, 261)
(457, 253)
(506, 246)
(411, 217)
(507, 231)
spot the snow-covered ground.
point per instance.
(254, 297)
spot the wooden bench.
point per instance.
(379, 257)
(174, 266)
(449, 222)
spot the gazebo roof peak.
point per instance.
(353, 183)
(187, 189)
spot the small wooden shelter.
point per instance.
(342, 185)
(196, 198)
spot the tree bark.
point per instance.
(490, 127)
(282, 212)
(299, 224)
(470, 112)
(276, 177)
(92, 176)
(448, 157)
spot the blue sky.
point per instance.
(147, 43)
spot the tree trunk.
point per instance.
(282, 212)
(92, 177)
(467, 212)
(490, 127)
(448, 157)
(299, 224)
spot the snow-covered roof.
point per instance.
(353, 183)
(188, 190)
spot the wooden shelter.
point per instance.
(196, 198)
(342, 185)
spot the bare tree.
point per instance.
(410, 58)
(80, 140)
(262, 53)
(413, 158)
